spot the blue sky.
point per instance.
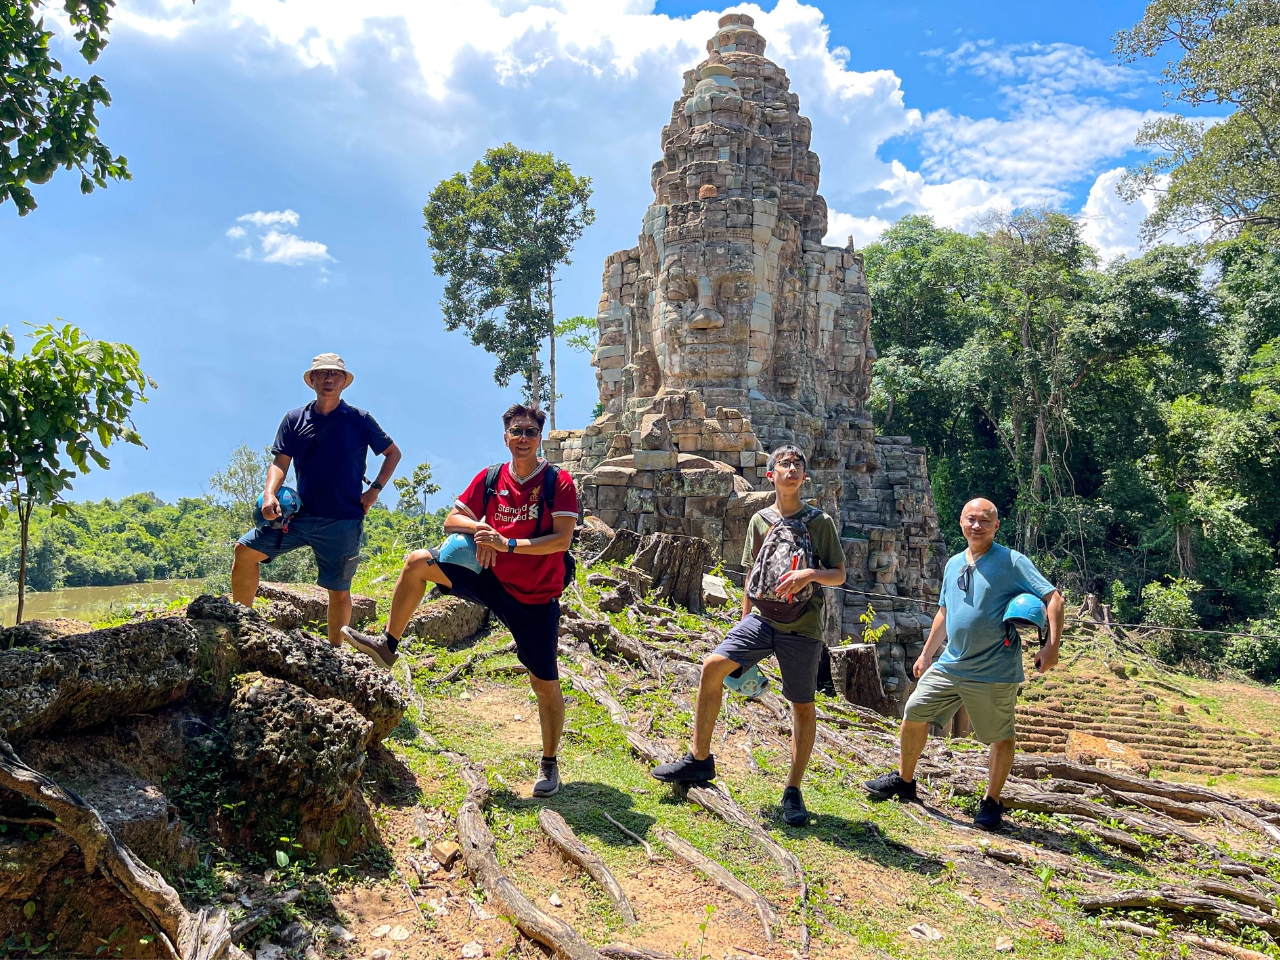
(282, 152)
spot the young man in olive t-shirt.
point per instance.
(797, 644)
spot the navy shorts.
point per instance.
(336, 544)
(753, 638)
(535, 627)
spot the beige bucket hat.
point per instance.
(328, 361)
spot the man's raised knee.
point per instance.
(246, 554)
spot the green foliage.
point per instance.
(582, 333)
(238, 485)
(871, 634)
(1223, 175)
(68, 399)
(1172, 605)
(415, 490)
(499, 234)
(48, 119)
(1125, 419)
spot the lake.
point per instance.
(96, 603)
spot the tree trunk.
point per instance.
(24, 525)
(676, 564)
(551, 316)
(855, 671)
(622, 547)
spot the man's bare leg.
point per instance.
(420, 568)
(245, 574)
(550, 712)
(999, 763)
(710, 692)
(804, 726)
(911, 740)
(339, 614)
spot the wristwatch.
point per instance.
(375, 485)
(511, 545)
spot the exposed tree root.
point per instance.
(479, 852)
(632, 834)
(1194, 939)
(560, 834)
(205, 935)
(469, 664)
(722, 878)
(728, 810)
(625, 951)
(1187, 903)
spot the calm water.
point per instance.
(96, 603)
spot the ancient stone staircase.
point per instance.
(1154, 722)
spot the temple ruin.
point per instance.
(730, 329)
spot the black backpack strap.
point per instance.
(547, 498)
(490, 488)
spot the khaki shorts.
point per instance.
(991, 706)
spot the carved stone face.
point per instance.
(702, 315)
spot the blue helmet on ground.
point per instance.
(290, 504)
(459, 548)
(750, 682)
(1027, 610)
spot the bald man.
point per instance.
(981, 667)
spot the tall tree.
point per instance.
(47, 118)
(499, 234)
(1225, 175)
(238, 485)
(61, 405)
(414, 492)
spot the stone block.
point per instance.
(611, 498)
(704, 506)
(669, 506)
(710, 529)
(655, 459)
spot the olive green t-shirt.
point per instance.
(828, 554)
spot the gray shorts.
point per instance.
(991, 706)
(753, 638)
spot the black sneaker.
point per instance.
(374, 646)
(793, 810)
(990, 814)
(890, 785)
(686, 770)
(548, 782)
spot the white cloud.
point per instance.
(864, 230)
(290, 249)
(1110, 223)
(276, 246)
(427, 85)
(260, 219)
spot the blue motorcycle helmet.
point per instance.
(459, 548)
(751, 683)
(290, 504)
(1026, 610)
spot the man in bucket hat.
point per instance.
(326, 441)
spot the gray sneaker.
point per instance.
(548, 782)
(375, 647)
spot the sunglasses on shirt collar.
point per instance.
(965, 580)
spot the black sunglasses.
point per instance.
(529, 432)
(966, 578)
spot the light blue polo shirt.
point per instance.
(976, 648)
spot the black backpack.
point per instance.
(545, 500)
(787, 546)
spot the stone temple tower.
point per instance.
(731, 328)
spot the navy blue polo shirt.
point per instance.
(330, 470)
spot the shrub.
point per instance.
(1258, 656)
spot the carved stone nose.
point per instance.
(706, 318)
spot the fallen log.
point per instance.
(728, 810)
(204, 935)
(560, 834)
(1229, 891)
(479, 852)
(1183, 903)
(722, 878)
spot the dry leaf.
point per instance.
(399, 933)
(379, 932)
(922, 931)
(1004, 945)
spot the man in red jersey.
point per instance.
(521, 515)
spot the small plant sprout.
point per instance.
(871, 634)
(710, 908)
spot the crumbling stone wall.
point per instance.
(730, 329)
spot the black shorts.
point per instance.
(535, 627)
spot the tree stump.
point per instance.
(676, 564)
(618, 550)
(855, 671)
